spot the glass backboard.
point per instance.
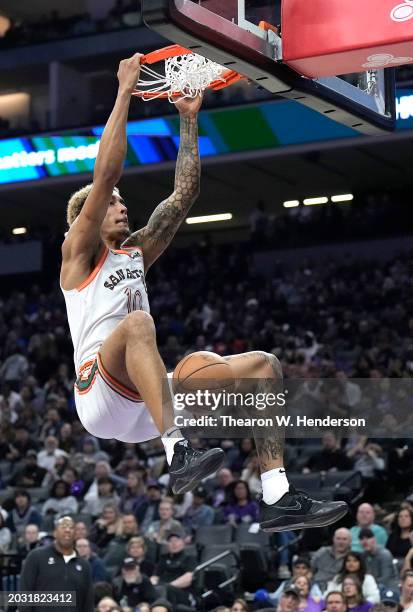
(231, 33)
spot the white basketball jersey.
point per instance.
(114, 288)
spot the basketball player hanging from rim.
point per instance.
(121, 381)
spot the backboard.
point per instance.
(233, 33)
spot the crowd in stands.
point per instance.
(374, 216)
(323, 320)
(53, 26)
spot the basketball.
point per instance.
(204, 371)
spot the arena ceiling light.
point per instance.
(209, 218)
(291, 203)
(312, 201)
(345, 197)
(18, 231)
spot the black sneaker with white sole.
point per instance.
(189, 466)
(296, 510)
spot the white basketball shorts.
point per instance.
(108, 409)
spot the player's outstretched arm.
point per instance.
(84, 235)
(169, 214)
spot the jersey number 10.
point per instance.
(134, 299)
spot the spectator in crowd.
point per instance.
(81, 530)
(92, 453)
(5, 446)
(175, 571)
(161, 605)
(181, 503)
(59, 566)
(51, 426)
(289, 600)
(159, 530)
(354, 565)
(97, 566)
(13, 370)
(301, 567)
(328, 560)
(406, 591)
(259, 224)
(368, 459)
(307, 603)
(107, 604)
(239, 605)
(134, 493)
(330, 458)
(133, 460)
(29, 541)
(252, 475)
(105, 527)
(106, 494)
(66, 439)
(365, 520)
(199, 514)
(224, 478)
(77, 484)
(61, 463)
(379, 560)
(5, 536)
(30, 474)
(102, 470)
(47, 457)
(353, 593)
(148, 511)
(400, 538)
(22, 514)
(241, 508)
(22, 443)
(60, 501)
(389, 601)
(133, 586)
(335, 602)
(137, 549)
(238, 456)
(128, 528)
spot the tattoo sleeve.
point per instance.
(267, 379)
(169, 214)
(270, 446)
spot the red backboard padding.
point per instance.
(331, 37)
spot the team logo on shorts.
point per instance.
(86, 376)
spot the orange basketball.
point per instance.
(203, 371)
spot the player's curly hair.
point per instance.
(76, 201)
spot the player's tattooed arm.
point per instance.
(169, 214)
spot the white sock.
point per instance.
(169, 438)
(274, 485)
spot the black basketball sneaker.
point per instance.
(296, 510)
(189, 466)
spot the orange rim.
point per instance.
(164, 53)
(228, 78)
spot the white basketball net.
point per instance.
(188, 74)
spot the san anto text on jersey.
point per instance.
(120, 275)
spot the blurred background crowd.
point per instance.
(323, 320)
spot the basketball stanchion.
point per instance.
(332, 37)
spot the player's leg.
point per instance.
(282, 507)
(130, 357)
(260, 371)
